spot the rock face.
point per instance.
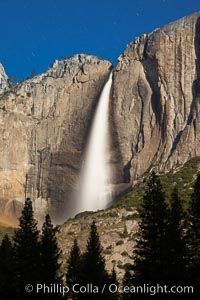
(3, 80)
(154, 117)
(156, 98)
(44, 124)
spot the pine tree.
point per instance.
(6, 269)
(176, 261)
(113, 277)
(113, 281)
(73, 275)
(50, 253)
(26, 255)
(193, 238)
(150, 253)
(128, 281)
(94, 266)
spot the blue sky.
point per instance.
(33, 33)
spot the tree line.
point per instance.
(167, 248)
(30, 259)
(167, 252)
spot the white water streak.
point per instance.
(95, 176)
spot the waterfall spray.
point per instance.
(94, 191)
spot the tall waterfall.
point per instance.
(94, 191)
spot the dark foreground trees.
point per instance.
(93, 266)
(93, 260)
(88, 270)
(74, 269)
(176, 244)
(49, 256)
(33, 259)
(6, 271)
(30, 260)
(167, 252)
(26, 253)
(160, 253)
(150, 254)
(193, 238)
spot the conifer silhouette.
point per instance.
(50, 254)
(73, 275)
(193, 238)
(26, 253)
(93, 269)
(6, 269)
(176, 258)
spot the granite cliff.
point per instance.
(44, 125)
(154, 117)
(156, 98)
(3, 80)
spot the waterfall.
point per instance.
(94, 191)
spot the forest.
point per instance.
(165, 260)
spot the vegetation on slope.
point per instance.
(181, 176)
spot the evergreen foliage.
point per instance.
(30, 260)
(49, 257)
(150, 253)
(167, 252)
(49, 253)
(113, 281)
(6, 278)
(125, 232)
(183, 176)
(26, 253)
(113, 277)
(176, 259)
(160, 255)
(93, 269)
(193, 238)
(73, 275)
(127, 281)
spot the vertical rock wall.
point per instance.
(156, 98)
(154, 118)
(44, 125)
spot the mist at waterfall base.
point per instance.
(94, 190)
